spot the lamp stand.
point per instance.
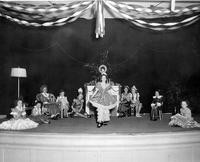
(18, 73)
(18, 87)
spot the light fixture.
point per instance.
(19, 73)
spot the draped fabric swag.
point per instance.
(49, 15)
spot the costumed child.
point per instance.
(37, 116)
(19, 120)
(49, 102)
(77, 106)
(125, 101)
(103, 99)
(156, 106)
(135, 102)
(184, 119)
(63, 104)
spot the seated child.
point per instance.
(156, 106)
(77, 107)
(19, 120)
(184, 119)
(124, 106)
(135, 102)
(48, 100)
(37, 115)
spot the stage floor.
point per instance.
(79, 140)
(125, 126)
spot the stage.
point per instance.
(128, 125)
(123, 139)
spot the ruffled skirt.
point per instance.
(18, 124)
(181, 121)
(104, 102)
(103, 114)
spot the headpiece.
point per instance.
(134, 87)
(80, 90)
(103, 72)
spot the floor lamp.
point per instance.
(19, 73)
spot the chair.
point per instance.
(156, 112)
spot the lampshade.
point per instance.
(18, 72)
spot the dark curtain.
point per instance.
(56, 57)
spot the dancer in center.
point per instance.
(103, 99)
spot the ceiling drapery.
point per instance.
(154, 18)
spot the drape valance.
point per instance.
(48, 15)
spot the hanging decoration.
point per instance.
(173, 5)
(41, 16)
(100, 20)
(154, 18)
(156, 21)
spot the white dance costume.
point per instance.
(19, 122)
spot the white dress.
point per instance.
(63, 102)
(184, 120)
(19, 122)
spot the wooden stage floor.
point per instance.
(79, 140)
(128, 125)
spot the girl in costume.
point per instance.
(49, 102)
(135, 102)
(124, 106)
(77, 107)
(37, 116)
(19, 120)
(184, 119)
(63, 104)
(103, 100)
(156, 106)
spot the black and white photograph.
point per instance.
(100, 81)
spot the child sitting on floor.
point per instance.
(77, 107)
(37, 115)
(19, 120)
(184, 119)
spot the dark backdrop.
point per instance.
(56, 57)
